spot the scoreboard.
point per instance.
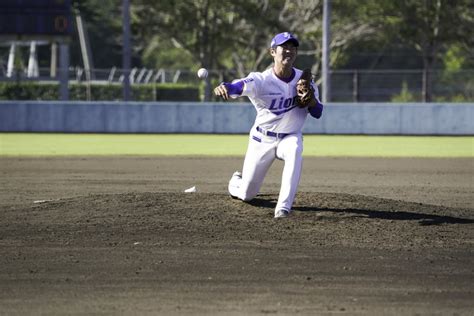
(35, 19)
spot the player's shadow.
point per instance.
(263, 202)
(423, 218)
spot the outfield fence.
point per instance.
(231, 118)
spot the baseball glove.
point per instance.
(304, 90)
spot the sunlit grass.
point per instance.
(45, 144)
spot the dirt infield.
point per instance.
(117, 235)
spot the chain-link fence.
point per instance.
(401, 85)
(346, 85)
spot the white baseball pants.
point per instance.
(261, 152)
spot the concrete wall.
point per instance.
(195, 117)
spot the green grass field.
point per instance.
(43, 144)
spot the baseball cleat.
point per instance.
(234, 183)
(281, 213)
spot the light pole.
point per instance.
(126, 56)
(326, 50)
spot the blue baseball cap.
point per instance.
(283, 38)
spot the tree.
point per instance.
(429, 26)
(349, 24)
(235, 35)
(193, 27)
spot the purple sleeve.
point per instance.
(317, 110)
(235, 88)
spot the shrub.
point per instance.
(28, 90)
(405, 95)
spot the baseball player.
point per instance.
(283, 96)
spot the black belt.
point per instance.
(272, 134)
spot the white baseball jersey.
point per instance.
(275, 101)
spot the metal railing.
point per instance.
(105, 76)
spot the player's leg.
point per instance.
(258, 159)
(290, 150)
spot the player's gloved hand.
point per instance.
(304, 89)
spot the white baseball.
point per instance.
(202, 73)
